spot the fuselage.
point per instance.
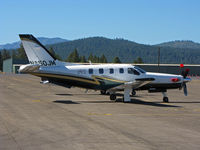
(86, 76)
(105, 77)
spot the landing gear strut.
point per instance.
(103, 92)
(127, 91)
(165, 98)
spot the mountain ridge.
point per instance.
(43, 40)
(126, 50)
(180, 44)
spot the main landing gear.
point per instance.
(103, 92)
(165, 98)
(126, 97)
(113, 97)
(133, 92)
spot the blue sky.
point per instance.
(142, 21)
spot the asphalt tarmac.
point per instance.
(42, 117)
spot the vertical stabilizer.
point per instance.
(36, 52)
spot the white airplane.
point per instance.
(108, 78)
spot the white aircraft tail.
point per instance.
(37, 53)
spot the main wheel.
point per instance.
(133, 92)
(103, 92)
(165, 99)
(112, 97)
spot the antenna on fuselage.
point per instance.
(90, 62)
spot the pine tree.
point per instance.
(90, 58)
(54, 54)
(76, 56)
(52, 51)
(138, 61)
(21, 53)
(73, 57)
(1, 61)
(95, 59)
(70, 58)
(116, 60)
(103, 59)
(14, 54)
(5, 54)
(82, 59)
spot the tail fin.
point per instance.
(36, 52)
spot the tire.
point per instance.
(165, 99)
(133, 92)
(112, 97)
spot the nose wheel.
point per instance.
(165, 98)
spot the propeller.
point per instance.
(185, 73)
(184, 86)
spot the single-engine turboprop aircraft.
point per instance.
(105, 77)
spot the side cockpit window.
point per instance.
(133, 71)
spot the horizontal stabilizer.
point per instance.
(29, 68)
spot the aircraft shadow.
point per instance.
(191, 102)
(133, 101)
(65, 102)
(64, 94)
(140, 102)
(96, 102)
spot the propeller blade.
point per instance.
(185, 89)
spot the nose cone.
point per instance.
(165, 78)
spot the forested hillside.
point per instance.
(102, 50)
(180, 44)
(127, 51)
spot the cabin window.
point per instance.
(90, 71)
(111, 70)
(121, 70)
(101, 71)
(133, 71)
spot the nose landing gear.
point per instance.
(165, 98)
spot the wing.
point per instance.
(133, 84)
(112, 84)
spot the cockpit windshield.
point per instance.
(139, 69)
